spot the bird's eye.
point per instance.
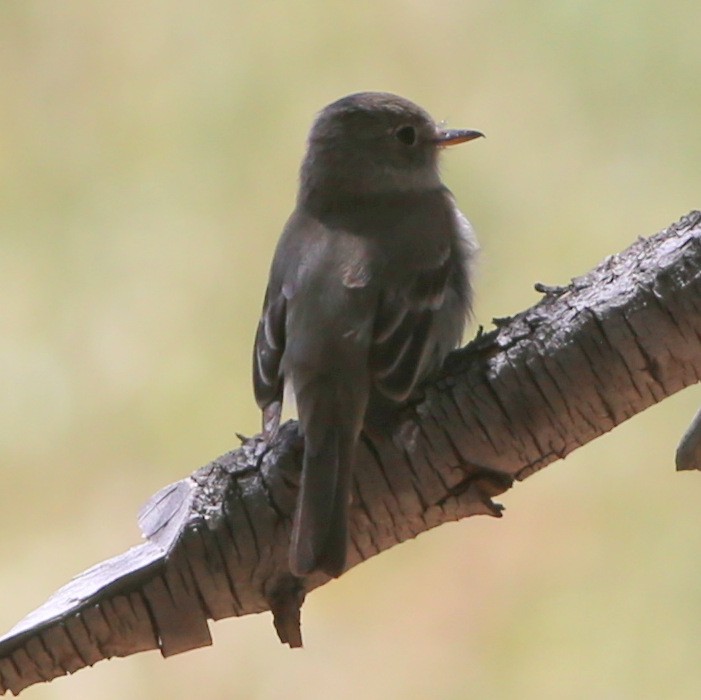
(407, 135)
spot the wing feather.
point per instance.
(402, 346)
(269, 346)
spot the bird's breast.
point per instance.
(403, 232)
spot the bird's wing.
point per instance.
(402, 346)
(268, 382)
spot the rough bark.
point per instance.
(584, 359)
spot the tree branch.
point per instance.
(584, 359)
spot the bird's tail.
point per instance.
(320, 528)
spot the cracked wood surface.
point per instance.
(584, 359)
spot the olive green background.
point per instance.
(148, 159)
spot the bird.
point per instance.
(369, 290)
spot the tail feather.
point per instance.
(320, 529)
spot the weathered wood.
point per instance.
(689, 450)
(61, 648)
(180, 621)
(209, 570)
(83, 640)
(587, 357)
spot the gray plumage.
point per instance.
(369, 290)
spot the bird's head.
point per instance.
(375, 142)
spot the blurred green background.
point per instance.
(148, 159)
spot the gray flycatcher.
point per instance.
(369, 290)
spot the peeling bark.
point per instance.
(584, 359)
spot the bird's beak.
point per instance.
(451, 137)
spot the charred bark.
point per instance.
(584, 359)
